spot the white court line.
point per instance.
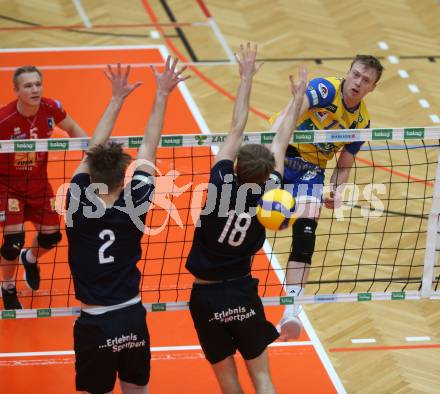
(413, 88)
(99, 66)
(417, 339)
(383, 45)
(424, 103)
(403, 74)
(363, 340)
(154, 34)
(221, 39)
(435, 118)
(337, 383)
(153, 349)
(82, 13)
(79, 49)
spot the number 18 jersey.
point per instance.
(228, 232)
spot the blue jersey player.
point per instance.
(227, 312)
(104, 225)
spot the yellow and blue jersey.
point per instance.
(327, 111)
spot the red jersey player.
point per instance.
(25, 192)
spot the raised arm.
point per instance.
(165, 82)
(279, 117)
(286, 122)
(120, 90)
(247, 69)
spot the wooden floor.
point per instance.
(324, 35)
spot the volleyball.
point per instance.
(275, 209)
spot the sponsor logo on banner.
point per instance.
(267, 138)
(218, 139)
(8, 314)
(134, 142)
(303, 136)
(172, 140)
(323, 90)
(58, 145)
(44, 313)
(325, 298)
(364, 297)
(201, 139)
(342, 136)
(414, 133)
(28, 146)
(287, 300)
(160, 307)
(398, 295)
(382, 134)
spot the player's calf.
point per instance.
(10, 250)
(303, 246)
(46, 241)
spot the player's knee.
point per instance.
(12, 244)
(303, 240)
(49, 241)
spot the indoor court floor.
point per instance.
(361, 348)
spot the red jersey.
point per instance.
(15, 126)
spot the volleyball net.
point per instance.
(381, 244)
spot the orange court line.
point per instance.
(394, 172)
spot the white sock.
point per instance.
(8, 284)
(295, 291)
(30, 258)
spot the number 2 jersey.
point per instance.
(229, 234)
(105, 244)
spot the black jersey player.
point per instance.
(105, 224)
(227, 312)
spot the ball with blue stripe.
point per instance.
(275, 210)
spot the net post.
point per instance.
(433, 238)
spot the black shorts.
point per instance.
(116, 341)
(230, 316)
